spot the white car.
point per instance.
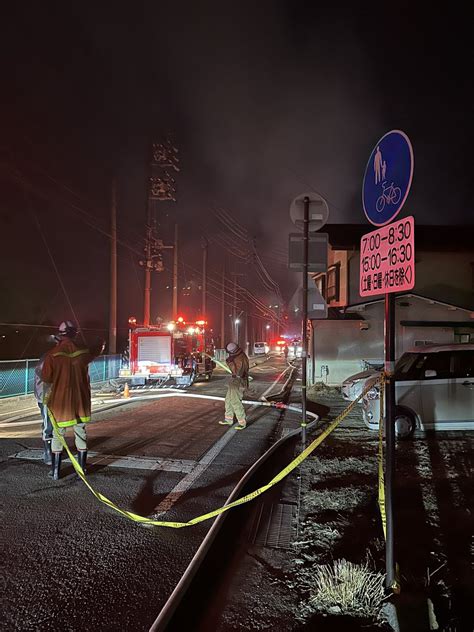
(259, 348)
(434, 390)
(353, 386)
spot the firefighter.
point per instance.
(238, 363)
(41, 391)
(65, 368)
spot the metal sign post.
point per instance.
(387, 266)
(304, 333)
(389, 345)
(308, 219)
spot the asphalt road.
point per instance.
(70, 562)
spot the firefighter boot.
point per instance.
(82, 458)
(56, 465)
(47, 452)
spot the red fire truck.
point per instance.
(178, 350)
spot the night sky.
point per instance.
(264, 100)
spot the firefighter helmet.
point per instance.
(67, 329)
(232, 348)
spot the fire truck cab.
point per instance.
(177, 350)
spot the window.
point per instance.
(462, 338)
(463, 364)
(333, 283)
(439, 362)
(410, 366)
(320, 283)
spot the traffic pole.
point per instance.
(113, 272)
(389, 349)
(223, 308)
(204, 277)
(175, 273)
(304, 333)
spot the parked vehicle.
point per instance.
(259, 348)
(434, 390)
(353, 386)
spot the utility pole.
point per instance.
(204, 277)
(223, 308)
(113, 271)
(148, 265)
(175, 273)
(234, 309)
(235, 325)
(161, 187)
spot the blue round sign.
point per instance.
(387, 178)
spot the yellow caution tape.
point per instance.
(240, 501)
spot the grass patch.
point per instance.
(346, 588)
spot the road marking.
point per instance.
(264, 394)
(202, 465)
(19, 410)
(190, 478)
(183, 466)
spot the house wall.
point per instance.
(340, 348)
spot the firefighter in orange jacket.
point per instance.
(69, 402)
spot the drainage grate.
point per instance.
(274, 526)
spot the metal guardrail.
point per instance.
(17, 376)
(220, 354)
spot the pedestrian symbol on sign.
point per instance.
(387, 178)
(379, 166)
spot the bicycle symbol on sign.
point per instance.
(390, 195)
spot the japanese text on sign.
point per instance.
(387, 259)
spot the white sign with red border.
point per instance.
(387, 259)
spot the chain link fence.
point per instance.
(17, 376)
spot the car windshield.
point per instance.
(409, 366)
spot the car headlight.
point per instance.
(373, 393)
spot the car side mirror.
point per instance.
(430, 373)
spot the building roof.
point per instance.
(427, 237)
(401, 296)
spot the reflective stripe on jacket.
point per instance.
(66, 368)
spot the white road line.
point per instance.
(183, 485)
(19, 410)
(263, 395)
(183, 466)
